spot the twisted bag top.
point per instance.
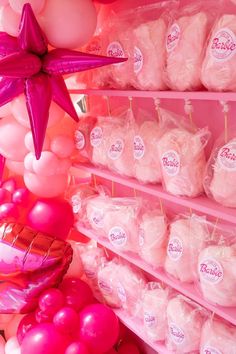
(30, 262)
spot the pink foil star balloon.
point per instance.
(27, 66)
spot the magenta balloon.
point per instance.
(21, 196)
(52, 216)
(99, 327)
(77, 348)
(77, 293)
(51, 301)
(25, 325)
(5, 196)
(42, 317)
(44, 339)
(20, 65)
(66, 320)
(105, 1)
(9, 185)
(8, 211)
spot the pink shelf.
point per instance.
(199, 95)
(201, 204)
(135, 328)
(186, 289)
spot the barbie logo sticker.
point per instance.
(210, 350)
(79, 140)
(223, 45)
(138, 60)
(116, 149)
(210, 271)
(171, 162)
(175, 248)
(176, 334)
(227, 157)
(117, 236)
(96, 136)
(173, 37)
(139, 147)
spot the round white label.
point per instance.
(138, 60)
(223, 45)
(210, 271)
(173, 37)
(175, 248)
(117, 236)
(116, 149)
(89, 273)
(227, 157)
(171, 162)
(96, 136)
(79, 140)
(115, 50)
(76, 203)
(150, 321)
(96, 218)
(139, 147)
(176, 334)
(104, 286)
(141, 237)
(121, 292)
(210, 350)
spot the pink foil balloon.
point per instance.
(17, 5)
(12, 136)
(25, 325)
(11, 328)
(73, 33)
(77, 348)
(77, 293)
(15, 166)
(51, 301)
(12, 346)
(53, 217)
(47, 164)
(30, 144)
(62, 146)
(66, 320)
(10, 21)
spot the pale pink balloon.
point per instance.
(69, 24)
(10, 21)
(11, 328)
(19, 111)
(6, 109)
(30, 144)
(64, 166)
(47, 164)
(12, 346)
(62, 146)
(16, 166)
(46, 186)
(12, 136)
(2, 345)
(37, 5)
(28, 161)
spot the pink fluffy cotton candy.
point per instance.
(185, 321)
(188, 236)
(149, 55)
(147, 167)
(219, 181)
(219, 65)
(96, 210)
(154, 303)
(82, 138)
(218, 337)
(183, 161)
(217, 274)
(185, 43)
(153, 237)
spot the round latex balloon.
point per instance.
(5, 110)
(51, 300)
(64, 166)
(12, 346)
(62, 146)
(16, 166)
(17, 5)
(47, 164)
(44, 339)
(53, 217)
(12, 136)
(30, 144)
(77, 348)
(10, 21)
(11, 328)
(5, 197)
(21, 196)
(66, 320)
(28, 161)
(69, 24)
(99, 327)
(25, 325)
(8, 211)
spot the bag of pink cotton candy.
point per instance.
(185, 44)
(82, 138)
(218, 337)
(188, 236)
(185, 320)
(220, 174)
(217, 266)
(219, 65)
(181, 154)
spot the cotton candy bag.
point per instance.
(82, 138)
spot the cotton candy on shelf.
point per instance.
(96, 211)
(82, 138)
(217, 274)
(187, 237)
(153, 237)
(185, 321)
(219, 65)
(218, 337)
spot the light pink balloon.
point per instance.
(12, 136)
(19, 111)
(64, 166)
(11, 328)
(46, 186)
(62, 146)
(17, 5)
(2, 345)
(30, 144)
(12, 346)
(69, 24)
(5, 110)
(10, 21)
(28, 161)
(47, 164)
(16, 167)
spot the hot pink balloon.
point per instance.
(53, 216)
(51, 301)
(62, 146)
(112, 351)
(17, 5)
(12, 136)
(5, 197)
(99, 327)
(12, 346)
(21, 196)
(77, 348)
(10, 185)
(10, 21)
(9, 211)
(42, 317)
(47, 164)
(25, 325)
(11, 328)
(66, 320)
(16, 166)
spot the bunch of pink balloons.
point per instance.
(67, 24)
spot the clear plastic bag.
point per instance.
(188, 235)
(220, 174)
(181, 152)
(82, 138)
(96, 208)
(219, 65)
(185, 320)
(185, 44)
(155, 300)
